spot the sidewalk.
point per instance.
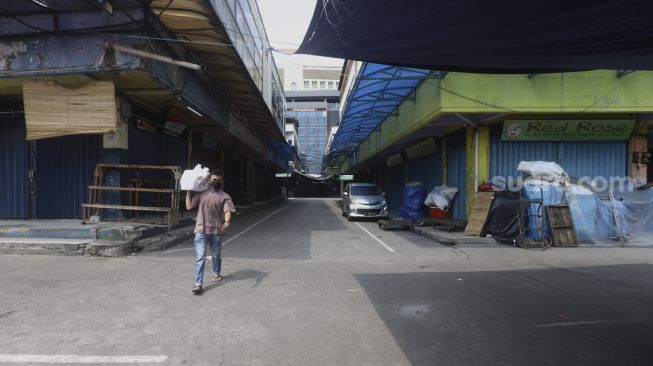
(445, 237)
(109, 239)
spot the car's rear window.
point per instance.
(365, 191)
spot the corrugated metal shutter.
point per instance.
(14, 166)
(578, 158)
(427, 169)
(456, 172)
(64, 170)
(396, 182)
(506, 155)
(594, 158)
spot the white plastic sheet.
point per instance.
(547, 170)
(441, 197)
(197, 179)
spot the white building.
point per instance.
(297, 77)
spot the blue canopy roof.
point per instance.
(376, 94)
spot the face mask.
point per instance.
(216, 185)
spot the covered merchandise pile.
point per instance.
(596, 217)
(412, 207)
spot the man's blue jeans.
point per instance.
(202, 241)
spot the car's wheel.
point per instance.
(349, 217)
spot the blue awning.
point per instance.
(377, 93)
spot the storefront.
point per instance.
(584, 148)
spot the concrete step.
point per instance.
(453, 238)
(30, 231)
(43, 246)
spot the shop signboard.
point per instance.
(346, 177)
(567, 130)
(282, 175)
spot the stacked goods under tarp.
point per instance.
(542, 187)
(549, 193)
(594, 215)
(501, 222)
(582, 205)
(412, 207)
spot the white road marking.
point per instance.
(386, 246)
(72, 359)
(240, 233)
(256, 223)
(178, 250)
(569, 324)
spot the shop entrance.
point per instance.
(44, 179)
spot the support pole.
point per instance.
(190, 146)
(154, 56)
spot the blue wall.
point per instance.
(427, 169)
(64, 169)
(396, 183)
(14, 166)
(577, 158)
(456, 171)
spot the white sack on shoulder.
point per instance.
(197, 179)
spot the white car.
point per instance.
(363, 200)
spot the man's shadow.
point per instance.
(246, 274)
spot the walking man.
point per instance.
(214, 209)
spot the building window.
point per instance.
(330, 84)
(293, 86)
(306, 84)
(314, 84)
(337, 84)
(322, 85)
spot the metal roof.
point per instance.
(197, 21)
(377, 93)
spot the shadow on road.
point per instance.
(599, 315)
(247, 274)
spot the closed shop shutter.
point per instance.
(578, 158)
(594, 158)
(505, 156)
(396, 182)
(64, 170)
(14, 165)
(427, 169)
(456, 172)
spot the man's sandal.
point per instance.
(217, 278)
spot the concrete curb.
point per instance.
(114, 240)
(450, 239)
(137, 239)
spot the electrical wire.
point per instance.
(469, 98)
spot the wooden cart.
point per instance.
(96, 203)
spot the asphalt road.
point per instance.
(305, 287)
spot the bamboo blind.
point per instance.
(52, 110)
